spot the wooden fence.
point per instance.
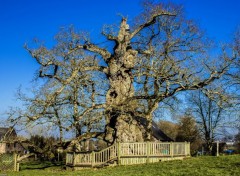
(130, 153)
(8, 162)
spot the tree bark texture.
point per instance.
(120, 122)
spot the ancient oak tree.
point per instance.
(110, 90)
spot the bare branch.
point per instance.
(93, 48)
(151, 21)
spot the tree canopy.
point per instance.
(103, 90)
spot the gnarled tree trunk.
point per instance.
(120, 122)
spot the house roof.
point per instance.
(7, 132)
(157, 132)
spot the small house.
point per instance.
(8, 143)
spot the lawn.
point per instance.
(223, 165)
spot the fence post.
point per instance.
(93, 158)
(148, 151)
(119, 153)
(73, 158)
(18, 167)
(171, 149)
(217, 148)
(15, 161)
(66, 159)
(189, 148)
(186, 148)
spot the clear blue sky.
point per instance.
(23, 20)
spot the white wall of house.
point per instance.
(2, 147)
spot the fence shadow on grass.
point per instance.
(39, 165)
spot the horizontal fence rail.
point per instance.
(130, 153)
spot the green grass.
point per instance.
(223, 165)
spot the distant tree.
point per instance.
(169, 128)
(140, 66)
(232, 79)
(237, 140)
(188, 131)
(209, 108)
(234, 73)
(44, 147)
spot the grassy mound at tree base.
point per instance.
(223, 165)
